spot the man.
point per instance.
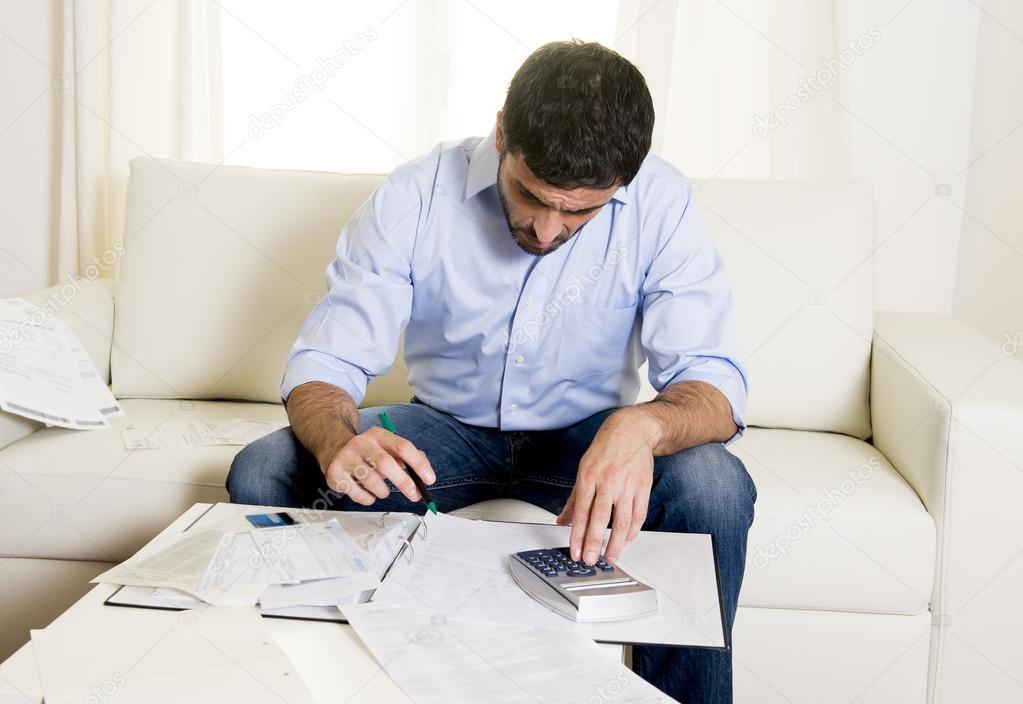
(531, 272)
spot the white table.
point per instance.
(331, 660)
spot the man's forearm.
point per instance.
(323, 418)
(684, 414)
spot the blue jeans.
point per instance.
(703, 489)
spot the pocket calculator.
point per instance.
(578, 591)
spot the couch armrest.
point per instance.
(88, 308)
(947, 407)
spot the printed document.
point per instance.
(45, 373)
(232, 568)
(441, 660)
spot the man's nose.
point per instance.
(548, 226)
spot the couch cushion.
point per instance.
(81, 495)
(799, 262)
(836, 527)
(223, 263)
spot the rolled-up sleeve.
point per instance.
(352, 334)
(688, 330)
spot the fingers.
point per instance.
(639, 507)
(565, 517)
(621, 525)
(599, 516)
(591, 509)
(388, 467)
(342, 481)
(361, 467)
(404, 451)
(629, 517)
(583, 494)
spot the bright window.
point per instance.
(364, 86)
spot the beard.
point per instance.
(525, 235)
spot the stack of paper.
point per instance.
(193, 431)
(436, 659)
(461, 569)
(452, 625)
(45, 372)
(300, 564)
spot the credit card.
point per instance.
(270, 520)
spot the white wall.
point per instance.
(989, 285)
(908, 117)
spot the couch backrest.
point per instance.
(223, 263)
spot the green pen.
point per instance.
(430, 504)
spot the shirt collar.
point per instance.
(482, 173)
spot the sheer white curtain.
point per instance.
(365, 86)
(136, 77)
(717, 71)
(742, 88)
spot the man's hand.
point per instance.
(613, 483)
(362, 464)
(616, 473)
(326, 420)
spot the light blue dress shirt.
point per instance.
(501, 338)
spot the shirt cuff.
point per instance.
(726, 378)
(311, 365)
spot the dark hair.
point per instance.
(580, 115)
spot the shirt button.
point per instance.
(514, 407)
(529, 303)
(520, 359)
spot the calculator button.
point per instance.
(581, 573)
(606, 568)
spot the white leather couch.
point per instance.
(886, 448)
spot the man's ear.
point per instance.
(499, 133)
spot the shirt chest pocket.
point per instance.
(594, 339)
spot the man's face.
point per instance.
(543, 217)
